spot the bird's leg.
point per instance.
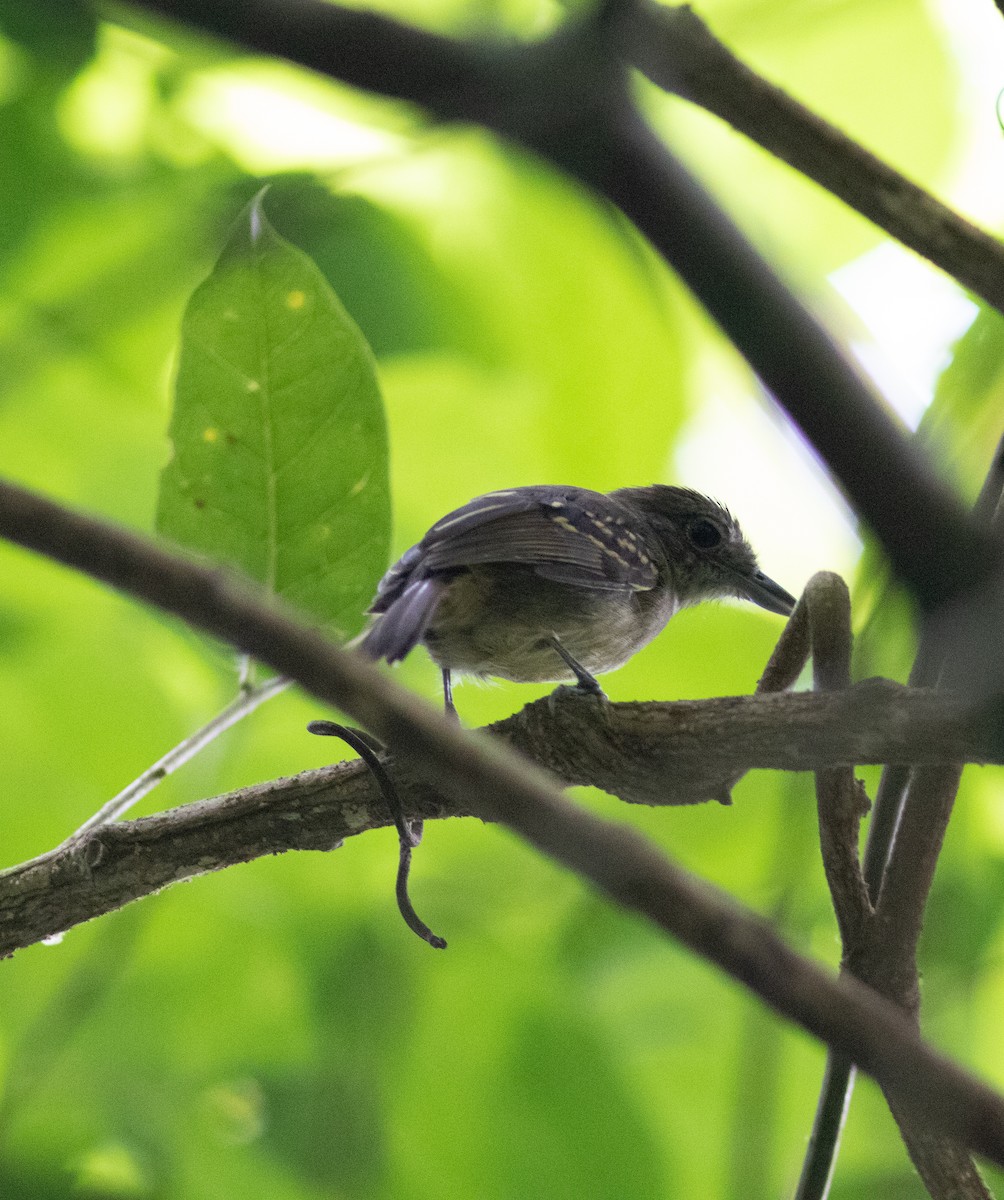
(584, 682)
(417, 827)
(449, 706)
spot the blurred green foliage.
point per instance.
(274, 1031)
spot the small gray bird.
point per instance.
(547, 583)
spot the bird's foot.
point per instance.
(575, 692)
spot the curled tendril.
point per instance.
(997, 109)
(409, 833)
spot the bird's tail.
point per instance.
(396, 632)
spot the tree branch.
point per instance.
(562, 99)
(480, 775)
(649, 753)
(879, 944)
(676, 50)
(840, 798)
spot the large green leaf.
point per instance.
(280, 446)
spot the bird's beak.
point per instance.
(765, 592)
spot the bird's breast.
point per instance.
(499, 620)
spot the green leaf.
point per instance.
(280, 444)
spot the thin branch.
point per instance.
(820, 1159)
(879, 947)
(840, 801)
(246, 702)
(409, 834)
(925, 808)
(488, 780)
(838, 1080)
(678, 52)
(841, 804)
(826, 614)
(790, 654)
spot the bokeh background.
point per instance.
(274, 1031)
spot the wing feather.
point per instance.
(571, 535)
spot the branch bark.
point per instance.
(664, 753)
(299, 813)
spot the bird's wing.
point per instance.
(570, 535)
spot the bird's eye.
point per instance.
(703, 534)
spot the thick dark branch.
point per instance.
(891, 486)
(507, 86)
(672, 46)
(480, 774)
(677, 51)
(361, 48)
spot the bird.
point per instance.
(556, 584)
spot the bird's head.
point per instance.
(706, 553)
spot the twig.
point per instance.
(408, 835)
(790, 654)
(246, 702)
(839, 801)
(678, 52)
(823, 613)
(820, 1159)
